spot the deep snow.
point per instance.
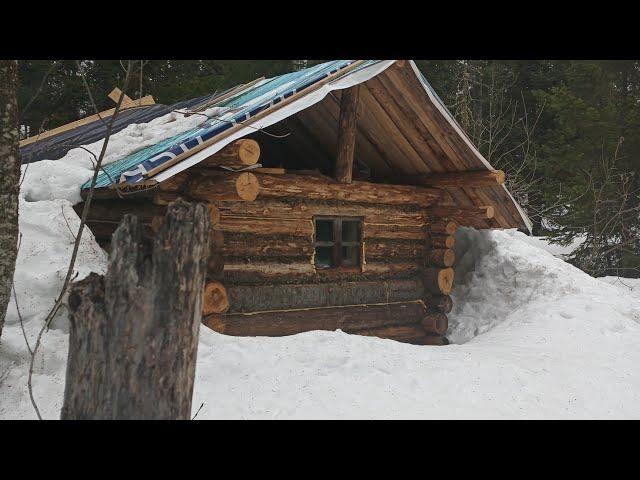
(534, 337)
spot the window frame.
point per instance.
(337, 243)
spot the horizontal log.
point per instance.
(176, 183)
(256, 246)
(440, 257)
(323, 188)
(446, 228)
(304, 272)
(398, 333)
(436, 340)
(474, 178)
(214, 298)
(290, 322)
(216, 239)
(381, 249)
(304, 208)
(463, 213)
(435, 323)
(214, 215)
(442, 241)
(166, 198)
(215, 266)
(241, 153)
(438, 303)
(103, 230)
(114, 210)
(222, 186)
(392, 231)
(438, 280)
(278, 297)
(266, 226)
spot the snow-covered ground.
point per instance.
(533, 336)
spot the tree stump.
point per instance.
(134, 332)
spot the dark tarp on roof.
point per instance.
(57, 146)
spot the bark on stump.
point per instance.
(134, 332)
(9, 180)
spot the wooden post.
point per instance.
(134, 332)
(347, 134)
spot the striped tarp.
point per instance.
(232, 111)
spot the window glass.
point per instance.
(350, 255)
(324, 256)
(324, 230)
(350, 231)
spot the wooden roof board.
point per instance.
(437, 160)
(378, 161)
(414, 137)
(375, 110)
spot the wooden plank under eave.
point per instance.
(346, 142)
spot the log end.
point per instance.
(214, 299)
(214, 214)
(445, 280)
(214, 322)
(247, 186)
(248, 151)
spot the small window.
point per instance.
(338, 242)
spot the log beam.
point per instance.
(347, 134)
(461, 213)
(441, 257)
(318, 187)
(442, 241)
(445, 228)
(225, 186)
(241, 153)
(290, 322)
(438, 281)
(243, 299)
(473, 178)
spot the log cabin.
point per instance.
(334, 192)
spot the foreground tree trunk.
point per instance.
(9, 180)
(134, 332)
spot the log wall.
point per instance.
(262, 279)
